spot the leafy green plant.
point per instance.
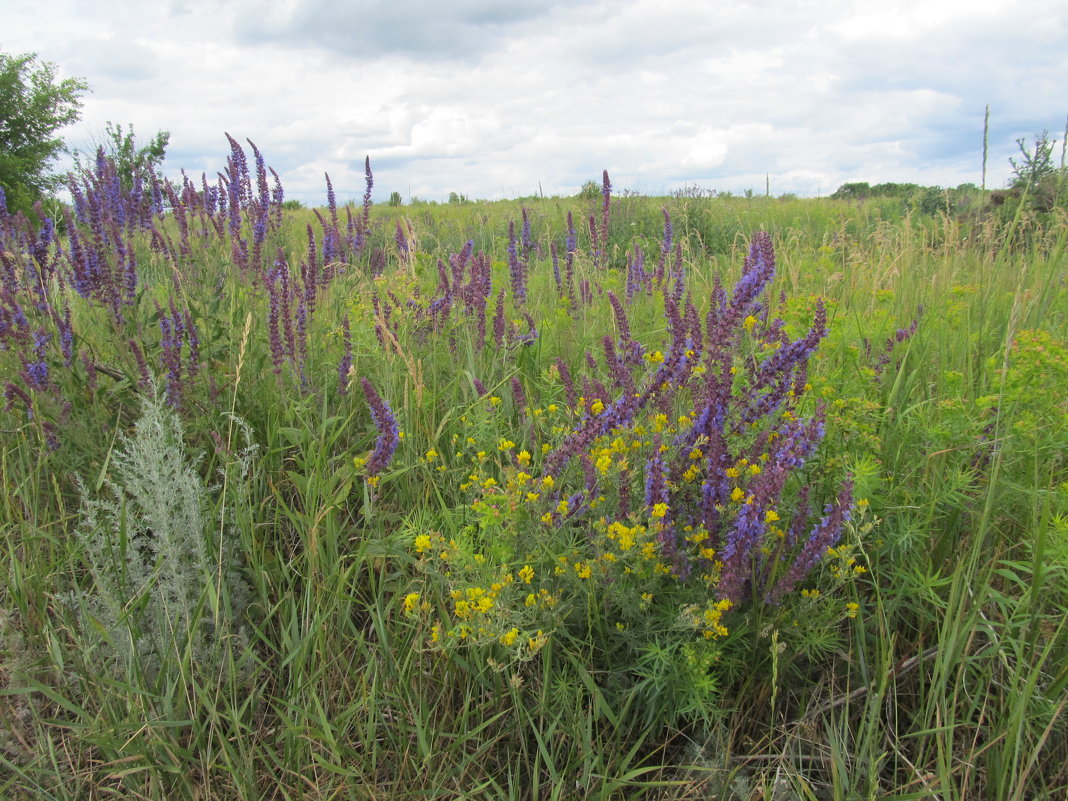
(34, 105)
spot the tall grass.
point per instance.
(314, 644)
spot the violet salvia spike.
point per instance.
(621, 376)
(825, 534)
(519, 397)
(556, 267)
(443, 278)
(66, 335)
(13, 393)
(622, 324)
(498, 320)
(365, 219)
(142, 366)
(531, 335)
(656, 489)
(35, 371)
(388, 431)
(568, 383)
(263, 198)
(679, 276)
(528, 243)
(595, 246)
(277, 198)
(516, 268)
(458, 262)
(606, 194)
(310, 271)
(302, 341)
(345, 366)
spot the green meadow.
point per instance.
(706, 497)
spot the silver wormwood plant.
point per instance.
(148, 541)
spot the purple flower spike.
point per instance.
(516, 268)
(365, 216)
(606, 194)
(824, 535)
(346, 359)
(519, 396)
(388, 432)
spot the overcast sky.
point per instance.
(503, 98)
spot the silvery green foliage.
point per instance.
(150, 541)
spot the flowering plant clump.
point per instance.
(676, 490)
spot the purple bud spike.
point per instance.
(388, 432)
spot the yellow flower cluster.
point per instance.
(708, 619)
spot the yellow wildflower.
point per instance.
(411, 600)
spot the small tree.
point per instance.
(1035, 176)
(591, 190)
(34, 105)
(131, 160)
(1035, 165)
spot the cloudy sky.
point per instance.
(503, 98)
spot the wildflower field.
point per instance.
(561, 498)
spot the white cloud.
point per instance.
(493, 98)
